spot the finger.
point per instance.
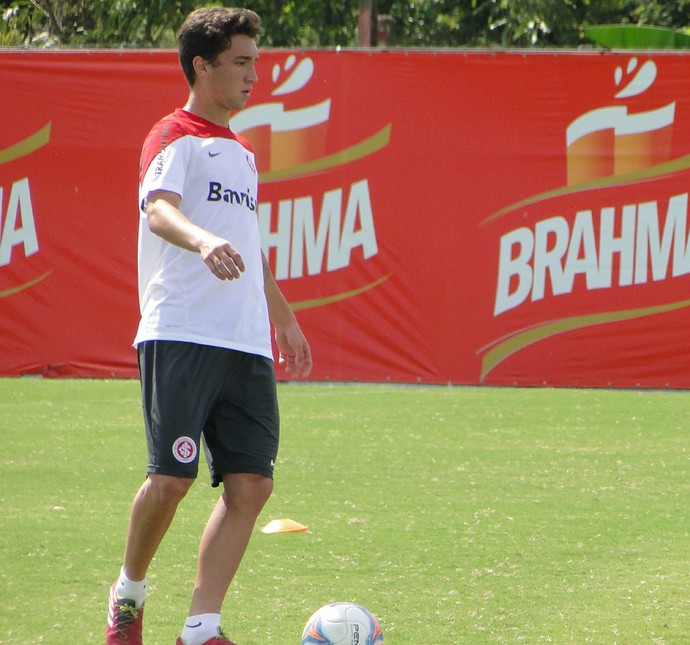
(229, 268)
(216, 267)
(223, 266)
(298, 365)
(305, 366)
(286, 360)
(224, 270)
(233, 260)
(239, 262)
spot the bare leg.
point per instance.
(225, 539)
(152, 513)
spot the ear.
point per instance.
(201, 66)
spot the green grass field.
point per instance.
(457, 515)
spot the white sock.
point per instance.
(198, 629)
(131, 589)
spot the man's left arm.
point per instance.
(293, 347)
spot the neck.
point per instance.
(200, 108)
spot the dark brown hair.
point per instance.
(207, 32)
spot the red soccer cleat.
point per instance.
(221, 639)
(124, 621)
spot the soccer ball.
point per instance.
(342, 623)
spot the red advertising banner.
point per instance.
(504, 218)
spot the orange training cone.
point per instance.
(284, 525)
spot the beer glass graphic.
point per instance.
(613, 140)
(282, 137)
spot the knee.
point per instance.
(263, 488)
(169, 490)
(248, 493)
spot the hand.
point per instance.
(295, 352)
(221, 258)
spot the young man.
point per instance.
(207, 299)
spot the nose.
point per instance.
(252, 76)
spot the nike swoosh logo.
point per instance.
(193, 626)
(213, 154)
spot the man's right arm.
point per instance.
(166, 220)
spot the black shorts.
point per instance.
(222, 399)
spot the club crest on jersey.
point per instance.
(184, 450)
(217, 193)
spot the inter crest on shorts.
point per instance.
(184, 450)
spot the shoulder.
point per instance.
(243, 142)
(166, 131)
(179, 125)
(163, 134)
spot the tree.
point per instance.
(314, 23)
(122, 23)
(522, 23)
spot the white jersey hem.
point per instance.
(211, 342)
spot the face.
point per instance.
(230, 78)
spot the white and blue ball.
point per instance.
(342, 623)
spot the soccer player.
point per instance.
(207, 299)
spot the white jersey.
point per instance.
(213, 171)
